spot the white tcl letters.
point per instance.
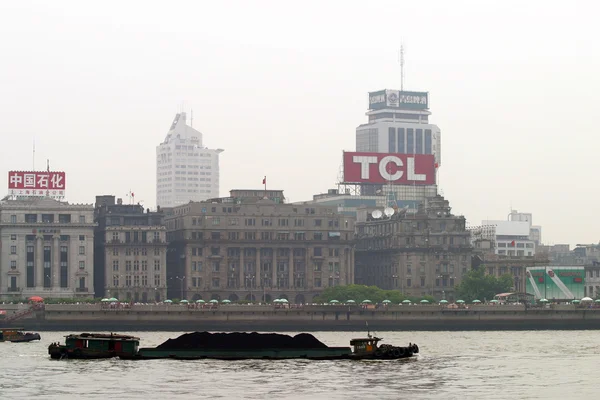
(364, 162)
(411, 175)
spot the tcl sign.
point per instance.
(398, 169)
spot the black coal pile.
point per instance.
(242, 340)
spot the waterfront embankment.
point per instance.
(306, 318)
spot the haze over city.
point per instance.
(282, 87)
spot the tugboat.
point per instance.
(94, 346)
(367, 349)
(16, 335)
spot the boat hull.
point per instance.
(25, 338)
(61, 352)
(329, 353)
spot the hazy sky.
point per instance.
(282, 85)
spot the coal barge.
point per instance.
(245, 346)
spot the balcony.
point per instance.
(14, 289)
(81, 290)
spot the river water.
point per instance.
(451, 365)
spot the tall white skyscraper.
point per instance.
(185, 169)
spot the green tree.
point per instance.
(477, 285)
(358, 293)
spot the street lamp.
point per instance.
(181, 285)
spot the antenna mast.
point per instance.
(401, 61)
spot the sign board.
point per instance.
(556, 282)
(401, 100)
(37, 184)
(383, 168)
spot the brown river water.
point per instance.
(451, 365)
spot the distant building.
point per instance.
(47, 249)
(130, 251)
(516, 236)
(257, 250)
(427, 253)
(185, 169)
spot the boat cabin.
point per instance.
(6, 334)
(99, 342)
(364, 345)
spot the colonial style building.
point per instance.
(236, 250)
(47, 248)
(131, 251)
(422, 254)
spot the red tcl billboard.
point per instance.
(382, 168)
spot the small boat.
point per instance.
(94, 346)
(367, 349)
(17, 335)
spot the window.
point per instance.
(128, 265)
(48, 218)
(215, 235)
(136, 280)
(318, 266)
(81, 238)
(13, 237)
(81, 264)
(216, 221)
(156, 251)
(157, 280)
(318, 222)
(64, 218)
(216, 265)
(13, 249)
(128, 280)
(13, 219)
(82, 219)
(115, 265)
(13, 264)
(157, 265)
(30, 218)
(156, 236)
(318, 236)
(115, 280)
(233, 221)
(136, 265)
(408, 283)
(144, 280)
(215, 282)
(81, 250)
(144, 265)
(318, 252)
(317, 282)
(391, 140)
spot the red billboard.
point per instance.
(383, 168)
(37, 183)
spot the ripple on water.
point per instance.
(462, 365)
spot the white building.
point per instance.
(516, 236)
(399, 123)
(185, 169)
(47, 249)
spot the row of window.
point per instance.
(517, 253)
(267, 252)
(47, 218)
(32, 238)
(135, 265)
(283, 267)
(13, 264)
(216, 282)
(136, 251)
(136, 237)
(518, 245)
(135, 280)
(63, 249)
(415, 142)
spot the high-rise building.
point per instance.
(399, 123)
(185, 169)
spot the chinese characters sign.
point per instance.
(37, 183)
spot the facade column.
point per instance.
(257, 277)
(56, 264)
(39, 263)
(242, 276)
(310, 273)
(274, 272)
(291, 272)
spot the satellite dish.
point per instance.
(389, 211)
(377, 214)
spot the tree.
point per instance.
(358, 293)
(477, 285)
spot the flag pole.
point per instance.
(265, 183)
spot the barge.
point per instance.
(17, 335)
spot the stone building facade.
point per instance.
(422, 254)
(131, 252)
(47, 249)
(227, 249)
